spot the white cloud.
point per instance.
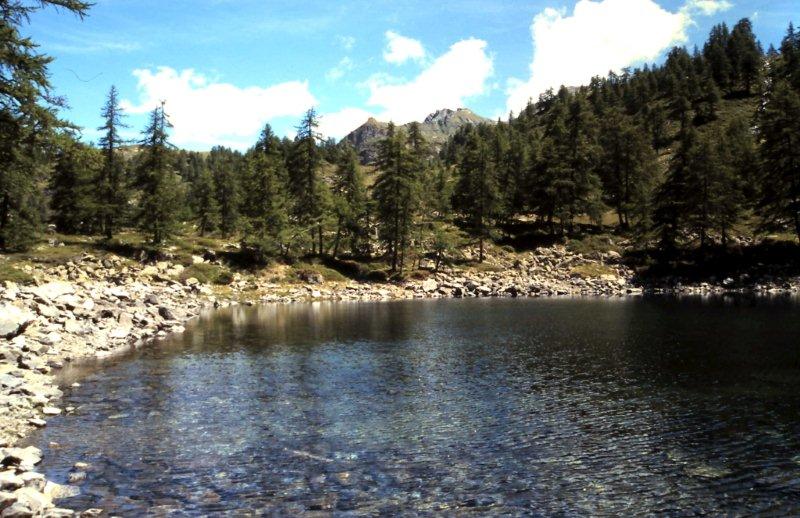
(347, 42)
(458, 74)
(400, 49)
(600, 35)
(340, 123)
(706, 7)
(206, 113)
(344, 66)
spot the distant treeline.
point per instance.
(651, 144)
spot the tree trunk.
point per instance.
(319, 229)
(337, 238)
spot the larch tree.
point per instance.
(350, 203)
(780, 151)
(161, 189)
(111, 189)
(28, 114)
(477, 192)
(266, 201)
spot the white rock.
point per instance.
(51, 410)
(53, 290)
(14, 320)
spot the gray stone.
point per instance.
(17, 510)
(166, 313)
(33, 499)
(14, 320)
(9, 480)
(53, 290)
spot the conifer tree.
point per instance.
(350, 203)
(266, 201)
(226, 169)
(780, 151)
(203, 197)
(161, 190)
(306, 187)
(393, 192)
(671, 204)
(27, 118)
(111, 190)
(477, 193)
(76, 166)
(627, 165)
(745, 55)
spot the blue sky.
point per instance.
(226, 67)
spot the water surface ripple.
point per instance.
(507, 407)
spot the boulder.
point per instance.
(429, 285)
(166, 313)
(9, 480)
(53, 290)
(17, 510)
(14, 320)
(33, 499)
(21, 457)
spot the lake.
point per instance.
(507, 407)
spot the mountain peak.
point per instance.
(436, 128)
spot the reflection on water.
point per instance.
(449, 407)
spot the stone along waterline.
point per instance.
(494, 406)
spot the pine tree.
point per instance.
(780, 151)
(308, 191)
(350, 203)
(268, 232)
(393, 193)
(745, 55)
(203, 198)
(76, 166)
(477, 193)
(671, 203)
(716, 54)
(227, 168)
(627, 165)
(161, 190)
(111, 191)
(27, 118)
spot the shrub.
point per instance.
(208, 274)
(12, 274)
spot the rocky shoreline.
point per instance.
(95, 307)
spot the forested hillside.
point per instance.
(698, 152)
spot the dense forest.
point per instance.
(682, 155)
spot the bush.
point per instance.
(378, 276)
(591, 270)
(208, 274)
(11, 274)
(593, 244)
(302, 271)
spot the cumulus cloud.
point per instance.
(706, 7)
(458, 74)
(600, 36)
(400, 49)
(206, 113)
(446, 82)
(344, 66)
(340, 123)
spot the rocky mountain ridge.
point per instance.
(436, 128)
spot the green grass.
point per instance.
(11, 274)
(591, 270)
(208, 274)
(593, 244)
(487, 267)
(329, 274)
